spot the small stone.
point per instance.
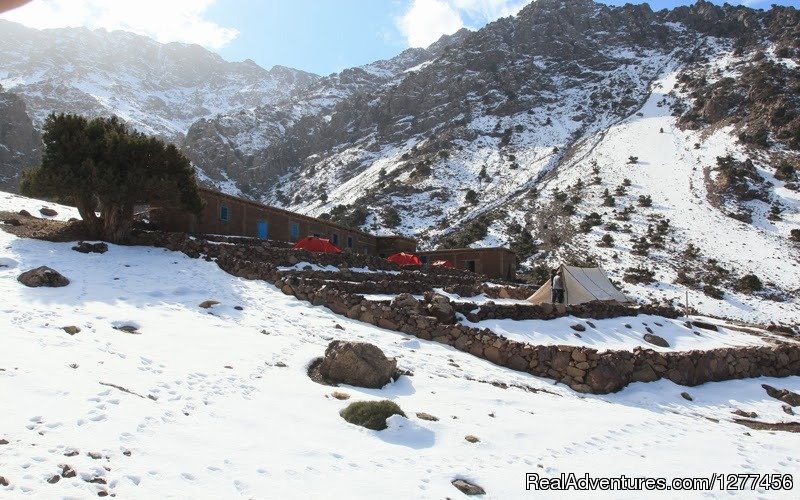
(746, 414)
(42, 276)
(468, 488)
(280, 364)
(54, 479)
(102, 493)
(787, 409)
(686, 396)
(94, 455)
(70, 453)
(229, 367)
(655, 340)
(426, 416)
(128, 329)
(207, 304)
(578, 327)
(3, 441)
(3, 481)
(48, 212)
(591, 325)
(341, 396)
(68, 472)
(471, 438)
(238, 308)
(628, 325)
(127, 453)
(73, 365)
(491, 415)
(72, 330)
(97, 480)
(338, 326)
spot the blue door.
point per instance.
(263, 229)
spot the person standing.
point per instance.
(557, 285)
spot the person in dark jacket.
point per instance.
(557, 287)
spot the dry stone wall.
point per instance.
(582, 368)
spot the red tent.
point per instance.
(443, 263)
(314, 244)
(405, 259)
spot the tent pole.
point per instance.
(686, 304)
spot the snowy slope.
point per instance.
(671, 170)
(213, 413)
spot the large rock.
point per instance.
(655, 340)
(441, 309)
(605, 379)
(406, 301)
(357, 363)
(785, 395)
(468, 488)
(43, 276)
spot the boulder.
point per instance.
(788, 397)
(42, 276)
(655, 340)
(72, 330)
(207, 304)
(24, 213)
(406, 301)
(357, 363)
(441, 309)
(48, 212)
(468, 488)
(605, 379)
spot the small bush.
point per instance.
(749, 283)
(637, 275)
(371, 414)
(471, 197)
(391, 218)
(691, 252)
(568, 209)
(606, 241)
(713, 292)
(633, 159)
(589, 221)
(640, 246)
(626, 182)
(645, 201)
(794, 235)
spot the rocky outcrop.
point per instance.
(19, 140)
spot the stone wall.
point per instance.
(594, 310)
(582, 368)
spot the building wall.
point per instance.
(244, 216)
(390, 245)
(494, 262)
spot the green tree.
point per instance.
(100, 166)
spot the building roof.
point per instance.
(466, 250)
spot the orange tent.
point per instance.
(443, 263)
(314, 244)
(405, 259)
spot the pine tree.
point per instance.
(100, 165)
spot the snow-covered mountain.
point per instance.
(663, 145)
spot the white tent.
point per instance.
(581, 284)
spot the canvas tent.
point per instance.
(405, 259)
(581, 284)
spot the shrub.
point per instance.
(608, 200)
(620, 191)
(597, 180)
(637, 275)
(611, 226)
(645, 201)
(633, 159)
(589, 221)
(713, 292)
(775, 212)
(391, 217)
(471, 197)
(640, 246)
(559, 195)
(685, 279)
(606, 241)
(568, 208)
(794, 235)
(626, 182)
(371, 414)
(749, 283)
(691, 252)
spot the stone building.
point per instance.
(228, 215)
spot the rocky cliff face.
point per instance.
(19, 140)
(158, 88)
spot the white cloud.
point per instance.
(426, 21)
(163, 20)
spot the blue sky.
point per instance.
(321, 36)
